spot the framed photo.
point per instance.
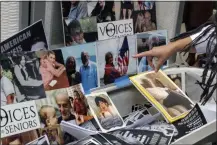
(164, 94)
(105, 112)
(145, 42)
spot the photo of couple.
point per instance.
(163, 93)
(104, 111)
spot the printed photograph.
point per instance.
(80, 31)
(52, 69)
(81, 65)
(177, 79)
(79, 105)
(54, 134)
(104, 111)
(145, 42)
(114, 58)
(103, 10)
(20, 72)
(32, 38)
(144, 16)
(21, 139)
(124, 10)
(43, 140)
(164, 93)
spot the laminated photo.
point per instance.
(115, 29)
(103, 10)
(21, 138)
(22, 76)
(55, 108)
(79, 105)
(52, 69)
(18, 118)
(145, 42)
(81, 65)
(32, 38)
(144, 16)
(54, 134)
(114, 58)
(164, 94)
(43, 140)
(104, 112)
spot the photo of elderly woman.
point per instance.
(164, 92)
(104, 111)
(26, 76)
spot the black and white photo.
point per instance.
(25, 75)
(31, 38)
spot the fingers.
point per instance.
(149, 59)
(146, 53)
(159, 64)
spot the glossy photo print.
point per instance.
(81, 65)
(144, 16)
(21, 75)
(43, 140)
(79, 105)
(164, 94)
(104, 111)
(103, 10)
(114, 58)
(145, 42)
(52, 69)
(54, 134)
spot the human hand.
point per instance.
(162, 53)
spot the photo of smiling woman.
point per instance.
(104, 111)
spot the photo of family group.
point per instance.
(114, 58)
(163, 93)
(81, 65)
(145, 42)
(104, 111)
(21, 75)
(52, 69)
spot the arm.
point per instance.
(58, 64)
(10, 99)
(56, 72)
(8, 90)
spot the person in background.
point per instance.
(74, 77)
(148, 24)
(88, 72)
(200, 40)
(7, 90)
(78, 10)
(110, 72)
(139, 23)
(76, 33)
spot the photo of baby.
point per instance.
(52, 69)
(79, 105)
(163, 93)
(54, 134)
(104, 111)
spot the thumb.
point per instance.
(146, 53)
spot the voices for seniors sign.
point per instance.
(18, 118)
(115, 29)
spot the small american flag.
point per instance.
(123, 57)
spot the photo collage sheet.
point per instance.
(58, 80)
